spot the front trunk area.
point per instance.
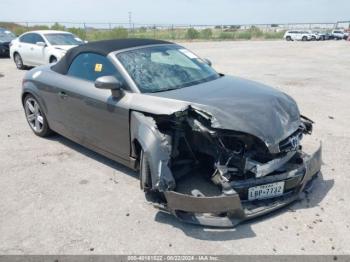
(220, 177)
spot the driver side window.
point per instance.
(90, 66)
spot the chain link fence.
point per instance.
(99, 31)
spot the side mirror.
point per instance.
(111, 83)
(207, 61)
(42, 44)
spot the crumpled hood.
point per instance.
(243, 105)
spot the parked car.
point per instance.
(6, 37)
(314, 35)
(211, 149)
(339, 34)
(297, 35)
(317, 35)
(41, 47)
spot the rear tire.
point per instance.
(18, 61)
(304, 38)
(288, 38)
(36, 117)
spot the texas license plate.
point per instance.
(266, 191)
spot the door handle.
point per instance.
(62, 94)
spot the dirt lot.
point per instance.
(57, 197)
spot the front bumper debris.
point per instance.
(230, 210)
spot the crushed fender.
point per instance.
(193, 159)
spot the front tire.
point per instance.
(288, 38)
(304, 38)
(53, 60)
(151, 195)
(36, 117)
(145, 173)
(18, 61)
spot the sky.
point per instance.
(196, 12)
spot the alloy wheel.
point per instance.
(18, 61)
(34, 115)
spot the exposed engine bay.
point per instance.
(202, 161)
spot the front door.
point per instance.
(92, 115)
(36, 52)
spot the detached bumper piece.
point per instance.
(230, 210)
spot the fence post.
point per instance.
(84, 25)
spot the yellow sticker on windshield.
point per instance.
(98, 67)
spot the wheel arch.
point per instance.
(145, 135)
(136, 152)
(14, 53)
(24, 95)
(29, 91)
(51, 56)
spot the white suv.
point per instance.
(297, 35)
(41, 47)
(339, 34)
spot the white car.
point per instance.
(339, 34)
(315, 35)
(41, 47)
(297, 35)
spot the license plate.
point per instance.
(266, 191)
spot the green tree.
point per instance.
(80, 32)
(40, 27)
(255, 32)
(192, 33)
(226, 35)
(206, 33)
(57, 26)
(143, 29)
(119, 32)
(20, 30)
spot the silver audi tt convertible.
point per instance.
(210, 149)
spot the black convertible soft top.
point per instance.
(102, 48)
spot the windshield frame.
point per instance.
(129, 79)
(70, 34)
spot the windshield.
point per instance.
(6, 36)
(161, 68)
(63, 39)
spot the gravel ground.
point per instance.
(57, 197)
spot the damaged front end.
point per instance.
(219, 177)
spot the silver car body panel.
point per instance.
(113, 126)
